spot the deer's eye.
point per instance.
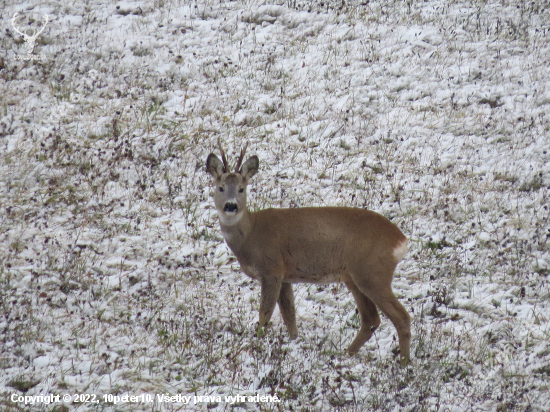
(241, 190)
(221, 189)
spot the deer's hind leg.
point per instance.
(382, 295)
(370, 319)
(400, 318)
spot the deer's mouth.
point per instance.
(230, 208)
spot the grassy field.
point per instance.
(115, 279)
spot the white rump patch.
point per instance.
(400, 250)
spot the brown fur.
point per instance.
(279, 247)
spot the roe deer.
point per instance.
(311, 245)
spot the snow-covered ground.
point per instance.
(114, 277)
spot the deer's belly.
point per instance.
(298, 275)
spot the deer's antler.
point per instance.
(241, 157)
(13, 25)
(43, 27)
(224, 159)
(35, 33)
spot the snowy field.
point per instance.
(115, 279)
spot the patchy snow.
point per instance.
(114, 276)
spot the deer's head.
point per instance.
(230, 187)
(29, 38)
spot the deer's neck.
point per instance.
(236, 234)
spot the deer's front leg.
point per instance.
(271, 288)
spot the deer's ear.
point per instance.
(250, 167)
(214, 166)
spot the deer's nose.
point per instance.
(230, 207)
